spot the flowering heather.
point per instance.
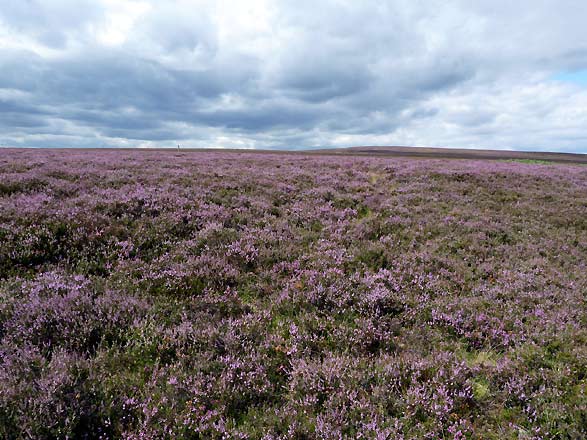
(256, 296)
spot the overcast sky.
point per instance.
(275, 73)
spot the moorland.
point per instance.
(166, 294)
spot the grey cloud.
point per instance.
(451, 73)
(322, 83)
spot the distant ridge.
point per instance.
(454, 153)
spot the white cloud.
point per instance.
(119, 21)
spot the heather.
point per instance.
(149, 294)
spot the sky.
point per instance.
(492, 74)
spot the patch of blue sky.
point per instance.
(577, 77)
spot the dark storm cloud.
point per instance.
(278, 73)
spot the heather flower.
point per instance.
(268, 296)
